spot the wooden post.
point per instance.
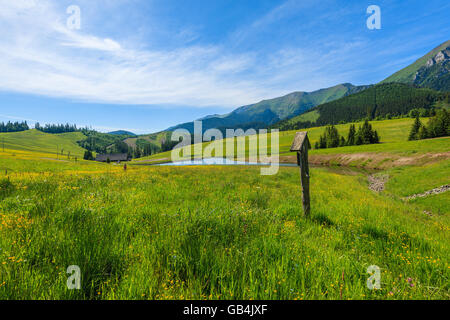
(304, 172)
(301, 145)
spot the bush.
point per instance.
(438, 126)
(88, 155)
(6, 188)
(332, 139)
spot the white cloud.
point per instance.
(39, 55)
(4, 116)
(91, 42)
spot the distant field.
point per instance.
(311, 116)
(44, 143)
(154, 138)
(14, 162)
(393, 133)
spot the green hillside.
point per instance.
(122, 133)
(296, 102)
(145, 145)
(392, 99)
(431, 70)
(154, 139)
(267, 112)
(104, 142)
(394, 145)
(37, 141)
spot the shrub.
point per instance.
(6, 188)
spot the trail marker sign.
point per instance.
(301, 145)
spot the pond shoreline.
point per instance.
(339, 169)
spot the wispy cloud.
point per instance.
(8, 117)
(89, 42)
(41, 56)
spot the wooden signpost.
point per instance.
(301, 145)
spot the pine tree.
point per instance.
(439, 125)
(358, 138)
(351, 135)
(376, 137)
(322, 142)
(332, 137)
(137, 153)
(88, 155)
(415, 129)
(366, 133)
(423, 133)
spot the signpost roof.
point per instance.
(299, 140)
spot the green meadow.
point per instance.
(393, 135)
(219, 232)
(40, 142)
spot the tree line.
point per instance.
(332, 139)
(13, 126)
(437, 126)
(96, 141)
(107, 144)
(56, 128)
(385, 101)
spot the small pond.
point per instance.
(228, 162)
(219, 162)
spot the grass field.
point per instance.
(220, 232)
(154, 139)
(216, 233)
(406, 181)
(44, 143)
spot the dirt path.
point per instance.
(371, 160)
(131, 142)
(151, 160)
(54, 159)
(439, 190)
(377, 182)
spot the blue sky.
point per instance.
(145, 65)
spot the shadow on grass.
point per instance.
(323, 220)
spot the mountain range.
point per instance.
(122, 133)
(430, 71)
(268, 112)
(381, 101)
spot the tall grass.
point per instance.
(212, 233)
